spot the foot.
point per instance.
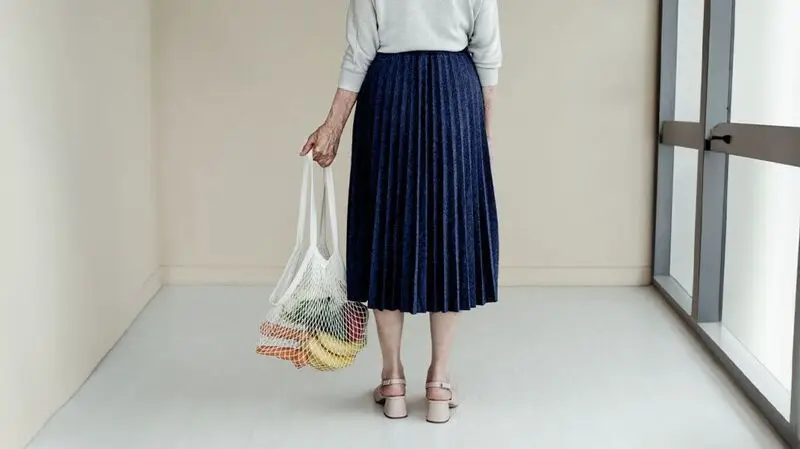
(394, 388)
(438, 391)
(390, 388)
(437, 387)
(441, 392)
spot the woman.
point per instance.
(422, 221)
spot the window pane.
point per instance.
(766, 68)
(763, 229)
(684, 195)
(689, 58)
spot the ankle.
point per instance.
(394, 388)
(394, 371)
(438, 373)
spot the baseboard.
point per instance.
(220, 275)
(509, 276)
(151, 286)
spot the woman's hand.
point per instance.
(323, 144)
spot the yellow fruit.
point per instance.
(339, 347)
(316, 364)
(323, 360)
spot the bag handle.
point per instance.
(329, 201)
(302, 210)
(308, 205)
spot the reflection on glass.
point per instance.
(766, 68)
(688, 76)
(763, 229)
(684, 196)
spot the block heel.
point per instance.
(440, 411)
(394, 407)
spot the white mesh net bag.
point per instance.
(311, 322)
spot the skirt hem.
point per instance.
(382, 308)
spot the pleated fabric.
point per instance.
(422, 219)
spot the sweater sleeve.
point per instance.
(484, 45)
(362, 44)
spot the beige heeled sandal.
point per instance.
(439, 410)
(394, 407)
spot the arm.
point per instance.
(486, 50)
(488, 103)
(342, 106)
(484, 45)
(362, 45)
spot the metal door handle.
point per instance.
(725, 138)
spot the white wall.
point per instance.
(78, 258)
(241, 83)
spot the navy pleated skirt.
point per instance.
(422, 220)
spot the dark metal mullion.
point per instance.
(712, 168)
(666, 153)
(698, 221)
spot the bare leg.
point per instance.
(390, 334)
(443, 326)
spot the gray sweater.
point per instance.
(393, 26)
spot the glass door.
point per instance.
(679, 149)
(746, 223)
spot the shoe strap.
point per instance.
(442, 385)
(388, 382)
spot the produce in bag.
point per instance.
(312, 322)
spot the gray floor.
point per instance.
(545, 368)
